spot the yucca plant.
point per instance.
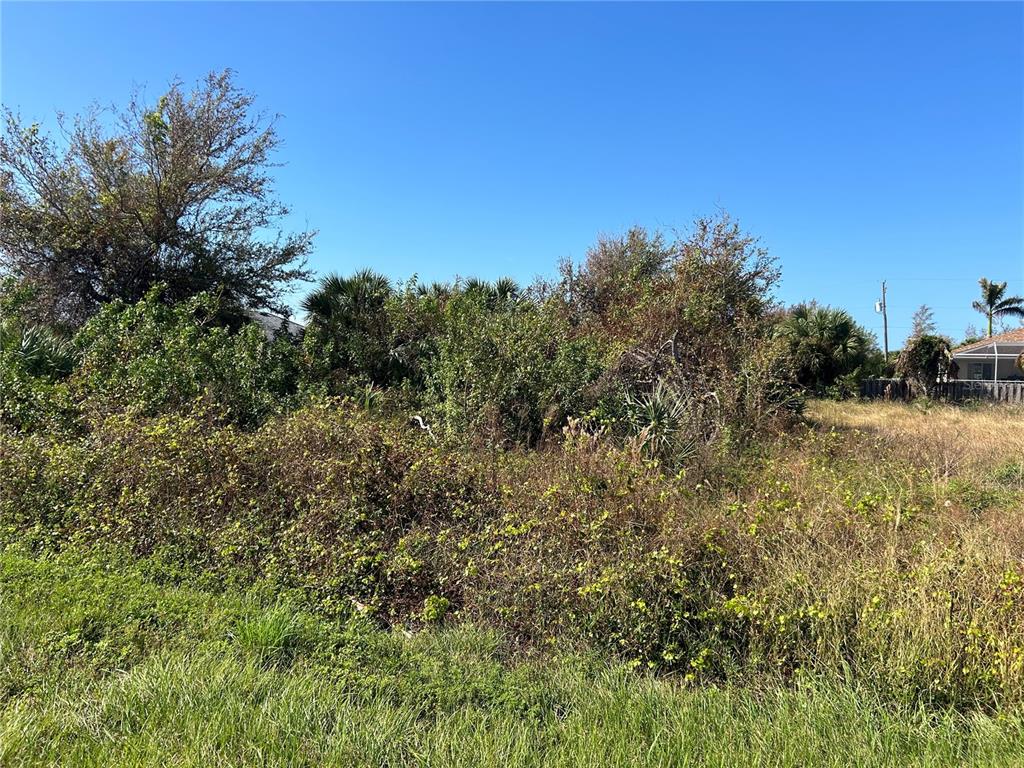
(39, 351)
(668, 423)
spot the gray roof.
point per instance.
(271, 324)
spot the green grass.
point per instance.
(113, 663)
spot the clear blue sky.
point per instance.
(859, 141)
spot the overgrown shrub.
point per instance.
(926, 360)
(34, 364)
(151, 358)
(831, 553)
(695, 315)
(506, 373)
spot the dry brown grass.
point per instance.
(945, 439)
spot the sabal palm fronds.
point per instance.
(436, 290)
(825, 343)
(350, 314)
(500, 293)
(339, 300)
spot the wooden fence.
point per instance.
(954, 391)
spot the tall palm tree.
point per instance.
(995, 304)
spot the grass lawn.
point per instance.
(109, 663)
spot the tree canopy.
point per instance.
(174, 193)
(923, 322)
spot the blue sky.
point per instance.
(859, 141)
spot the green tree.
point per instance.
(696, 311)
(995, 303)
(350, 332)
(926, 360)
(826, 345)
(923, 322)
(177, 193)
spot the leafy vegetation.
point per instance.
(112, 662)
(178, 193)
(841, 552)
(831, 353)
(925, 361)
(469, 520)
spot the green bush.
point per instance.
(151, 358)
(509, 374)
(830, 352)
(793, 563)
(926, 360)
(34, 364)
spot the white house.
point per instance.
(991, 359)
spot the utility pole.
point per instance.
(880, 307)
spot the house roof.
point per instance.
(271, 323)
(1015, 337)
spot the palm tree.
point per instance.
(343, 299)
(498, 294)
(350, 316)
(825, 344)
(994, 304)
(437, 291)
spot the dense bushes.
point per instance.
(594, 460)
(830, 352)
(149, 358)
(509, 373)
(481, 363)
(34, 362)
(815, 558)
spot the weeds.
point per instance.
(271, 635)
(879, 544)
(354, 695)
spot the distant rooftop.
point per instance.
(1009, 337)
(271, 324)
